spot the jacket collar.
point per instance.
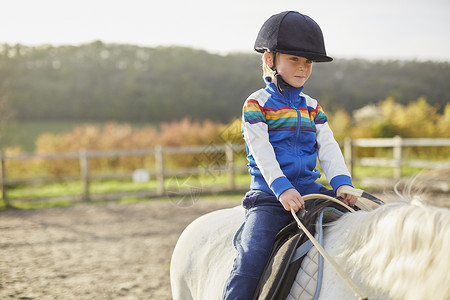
(289, 93)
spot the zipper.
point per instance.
(297, 140)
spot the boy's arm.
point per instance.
(332, 162)
(256, 136)
(329, 153)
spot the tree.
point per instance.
(6, 117)
(114, 82)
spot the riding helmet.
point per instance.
(291, 32)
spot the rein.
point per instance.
(347, 280)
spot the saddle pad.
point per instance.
(281, 270)
(304, 285)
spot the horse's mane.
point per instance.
(400, 250)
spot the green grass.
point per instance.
(19, 193)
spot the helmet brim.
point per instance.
(309, 55)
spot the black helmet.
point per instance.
(290, 32)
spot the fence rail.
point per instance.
(397, 161)
(161, 173)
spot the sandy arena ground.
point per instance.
(107, 251)
(97, 251)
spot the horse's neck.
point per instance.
(398, 251)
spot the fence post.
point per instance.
(348, 154)
(229, 153)
(84, 170)
(159, 159)
(3, 179)
(398, 157)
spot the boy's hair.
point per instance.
(267, 71)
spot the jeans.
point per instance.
(264, 219)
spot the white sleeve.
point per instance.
(329, 153)
(257, 139)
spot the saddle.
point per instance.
(290, 249)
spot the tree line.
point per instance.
(129, 83)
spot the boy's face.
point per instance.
(295, 70)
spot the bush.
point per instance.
(122, 136)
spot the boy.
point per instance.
(284, 131)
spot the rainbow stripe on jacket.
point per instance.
(285, 117)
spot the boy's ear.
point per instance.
(268, 59)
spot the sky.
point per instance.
(382, 29)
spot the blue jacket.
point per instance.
(284, 136)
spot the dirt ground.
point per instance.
(96, 251)
(107, 251)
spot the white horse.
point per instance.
(400, 250)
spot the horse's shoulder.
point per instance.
(216, 222)
(224, 214)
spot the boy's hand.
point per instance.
(291, 198)
(348, 199)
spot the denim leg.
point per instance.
(262, 223)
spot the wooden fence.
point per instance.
(397, 161)
(161, 173)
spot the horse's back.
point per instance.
(203, 256)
